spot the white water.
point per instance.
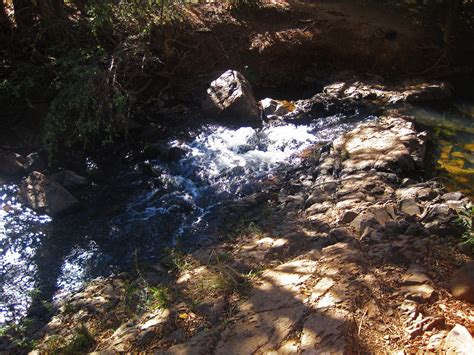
(220, 165)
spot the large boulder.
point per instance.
(69, 179)
(462, 283)
(459, 341)
(231, 96)
(11, 163)
(45, 195)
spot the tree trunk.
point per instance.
(5, 27)
(23, 15)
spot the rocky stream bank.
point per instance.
(347, 251)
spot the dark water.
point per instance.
(452, 151)
(137, 215)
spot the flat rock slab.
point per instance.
(260, 332)
(415, 275)
(326, 332)
(419, 293)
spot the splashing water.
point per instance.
(220, 165)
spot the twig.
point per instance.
(361, 321)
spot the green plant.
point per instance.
(465, 220)
(244, 4)
(90, 105)
(80, 342)
(158, 297)
(177, 260)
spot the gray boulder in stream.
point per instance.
(11, 163)
(45, 195)
(231, 96)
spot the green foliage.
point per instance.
(176, 260)
(140, 296)
(81, 342)
(245, 4)
(158, 297)
(17, 333)
(466, 220)
(90, 106)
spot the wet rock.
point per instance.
(462, 283)
(163, 152)
(46, 195)
(69, 179)
(11, 163)
(410, 207)
(423, 92)
(274, 108)
(231, 96)
(34, 162)
(459, 341)
(176, 153)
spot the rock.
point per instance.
(34, 163)
(11, 163)
(462, 283)
(45, 195)
(318, 208)
(410, 207)
(434, 344)
(459, 341)
(409, 309)
(423, 92)
(452, 196)
(419, 293)
(348, 217)
(176, 153)
(465, 248)
(231, 96)
(381, 215)
(390, 144)
(421, 325)
(157, 320)
(415, 275)
(69, 179)
(274, 108)
(362, 221)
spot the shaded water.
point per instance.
(137, 214)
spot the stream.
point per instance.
(137, 215)
(158, 204)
